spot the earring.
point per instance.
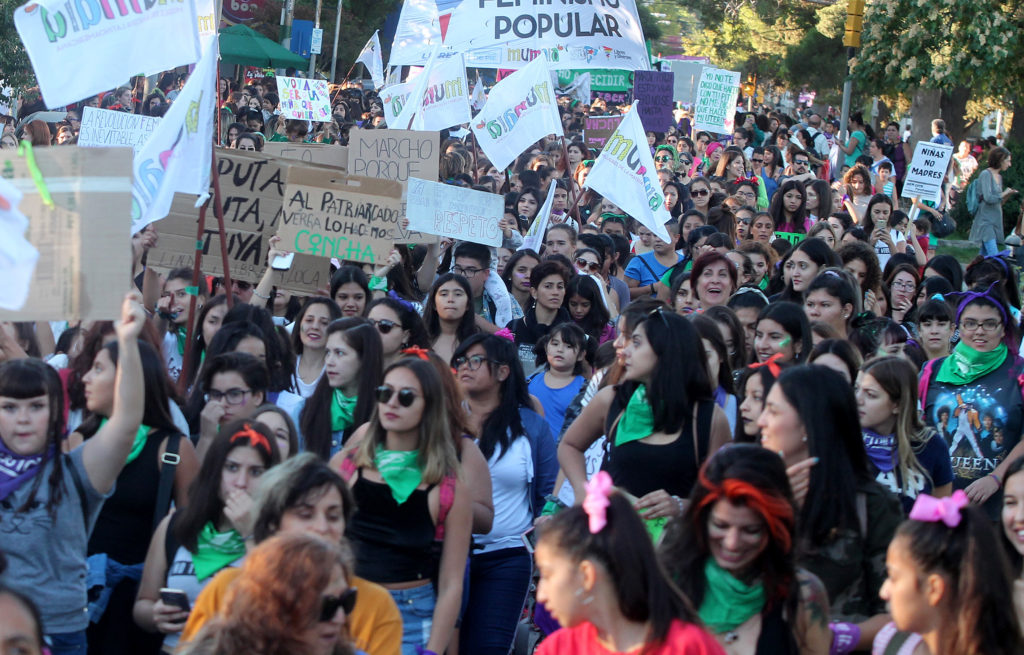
(585, 601)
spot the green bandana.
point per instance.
(215, 550)
(182, 334)
(400, 470)
(965, 364)
(728, 602)
(343, 411)
(637, 421)
(138, 444)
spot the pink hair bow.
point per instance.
(506, 333)
(596, 502)
(931, 509)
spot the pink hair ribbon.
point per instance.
(596, 502)
(932, 510)
(505, 333)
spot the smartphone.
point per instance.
(530, 540)
(175, 598)
(282, 262)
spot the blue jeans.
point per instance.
(68, 643)
(416, 606)
(989, 247)
(498, 584)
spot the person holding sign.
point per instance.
(987, 229)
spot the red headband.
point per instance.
(416, 351)
(772, 363)
(776, 511)
(255, 438)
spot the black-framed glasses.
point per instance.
(990, 325)
(474, 362)
(406, 397)
(466, 272)
(757, 160)
(329, 605)
(234, 396)
(383, 325)
(584, 265)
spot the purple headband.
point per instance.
(401, 301)
(967, 297)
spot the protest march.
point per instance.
(520, 336)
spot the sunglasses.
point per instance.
(584, 265)
(757, 160)
(384, 326)
(800, 162)
(346, 600)
(406, 397)
(701, 192)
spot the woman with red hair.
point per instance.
(732, 554)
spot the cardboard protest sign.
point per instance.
(303, 99)
(793, 237)
(455, 212)
(103, 128)
(328, 214)
(654, 91)
(715, 107)
(613, 97)
(79, 49)
(686, 77)
(600, 79)
(598, 129)
(252, 187)
(927, 170)
(325, 154)
(84, 266)
(394, 154)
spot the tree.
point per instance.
(15, 67)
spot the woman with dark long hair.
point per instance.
(448, 313)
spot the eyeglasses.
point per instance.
(701, 192)
(406, 397)
(466, 272)
(346, 600)
(584, 265)
(905, 286)
(990, 325)
(384, 326)
(757, 160)
(662, 159)
(234, 396)
(474, 362)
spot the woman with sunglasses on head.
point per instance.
(399, 324)
(304, 495)
(293, 597)
(413, 518)
(207, 533)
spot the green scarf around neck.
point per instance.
(728, 602)
(637, 420)
(137, 445)
(965, 364)
(215, 550)
(343, 411)
(400, 470)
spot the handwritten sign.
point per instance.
(252, 187)
(927, 170)
(324, 154)
(303, 99)
(328, 214)
(613, 97)
(793, 237)
(104, 128)
(654, 91)
(715, 106)
(598, 129)
(84, 261)
(455, 212)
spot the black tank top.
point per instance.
(641, 468)
(776, 636)
(125, 523)
(392, 542)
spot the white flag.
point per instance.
(418, 85)
(579, 90)
(534, 237)
(18, 257)
(177, 156)
(520, 110)
(395, 97)
(479, 96)
(445, 97)
(625, 174)
(79, 49)
(371, 58)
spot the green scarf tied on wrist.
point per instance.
(965, 364)
(215, 550)
(400, 470)
(637, 420)
(137, 445)
(728, 602)
(343, 411)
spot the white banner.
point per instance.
(714, 110)
(417, 87)
(371, 58)
(927, 170)
(625, 174)
(417, 34)
(303, 99)
(206, 16)
(478, 96)
(394, 99)
(456, 212)
(445, 98)
(104, 128)
(177, 156)
(520, 110)
(579, 90)
(81, 48)
(534, 237)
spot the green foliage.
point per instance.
(648, 23)
(1012, 179)
(15, 67)
(803, 62)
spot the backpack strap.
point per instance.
(76, 479)
(445, 502)
(170, 460)
(171, 543)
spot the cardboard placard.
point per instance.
(451, 211)
(252, 186)
(104, 128)
(303, 99)
(328, 214)
(715, 107)
(927, 170)
(598, 129)
(325, 154)
(686, 77)
(654, 91)
(84, 266)
(793, 237)
(613, 97)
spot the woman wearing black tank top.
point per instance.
(654, 449)
(733, 555)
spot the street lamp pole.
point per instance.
(334, 51)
